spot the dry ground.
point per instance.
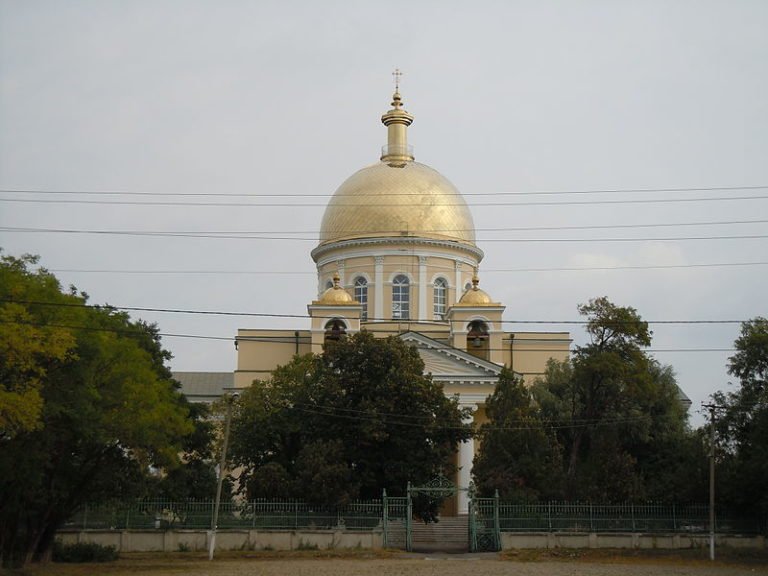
(555, 563)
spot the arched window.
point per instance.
(361, 295)
(329, 284)
(335, 330)
(440, 298)
(401, 298)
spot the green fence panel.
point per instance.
(627, 517)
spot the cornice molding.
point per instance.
(319, 251)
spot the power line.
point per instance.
(304, 316)
(545, 421)
(484, 270)
(290, 195)
(359, 205)
(287, 340)
(286, 238)
(112, 330)
(416, 232)
(400, 421)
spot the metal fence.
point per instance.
(490, 517)
(256, 514)
(648, 518)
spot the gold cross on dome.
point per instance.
(397, 75)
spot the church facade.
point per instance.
(397, 256)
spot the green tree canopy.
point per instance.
(357, 419)
(29, 344)
(743, 423)
(98, 406)
(519, 458)
(615, 411)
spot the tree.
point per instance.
(617, 413)
(357, 419)
(743, 425)
(104, 407)
(519, 458)
(28, 348)
(194, 478)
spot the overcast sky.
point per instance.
(271, 100)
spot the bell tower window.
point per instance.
(335, 330)
(477, 339)
(401, 298)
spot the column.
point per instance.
(378, 300)
(459, 287)
(423, 288)
(340, 266)
(466, 457)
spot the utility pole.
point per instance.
(229, 399)
(711, 408)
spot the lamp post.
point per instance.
(230, 398)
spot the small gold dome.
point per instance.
(410, 200)
(336, 295)
(474, 296)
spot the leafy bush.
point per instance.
(83, 552)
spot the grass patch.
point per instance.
(82, 552)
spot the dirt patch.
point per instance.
(367, 563)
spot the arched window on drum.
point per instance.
(401, 298)
(361, 295)
(440, 298)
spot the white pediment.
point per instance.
(446, 363)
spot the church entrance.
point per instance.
(427, 529)
(414, 522)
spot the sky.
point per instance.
(241, 118)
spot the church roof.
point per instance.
(204, 386)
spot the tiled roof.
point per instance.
(204, 386)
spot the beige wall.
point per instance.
(197, 540)
(259, 352)
(527, 352)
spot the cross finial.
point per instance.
(397, 75)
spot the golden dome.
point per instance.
(474, 296)
(397, 197)
(386, 200)
(336, 295)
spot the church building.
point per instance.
(397, 256)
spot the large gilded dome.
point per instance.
(399, 199)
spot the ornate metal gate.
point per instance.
(482, 524)
(437, 489)
(484, 528)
